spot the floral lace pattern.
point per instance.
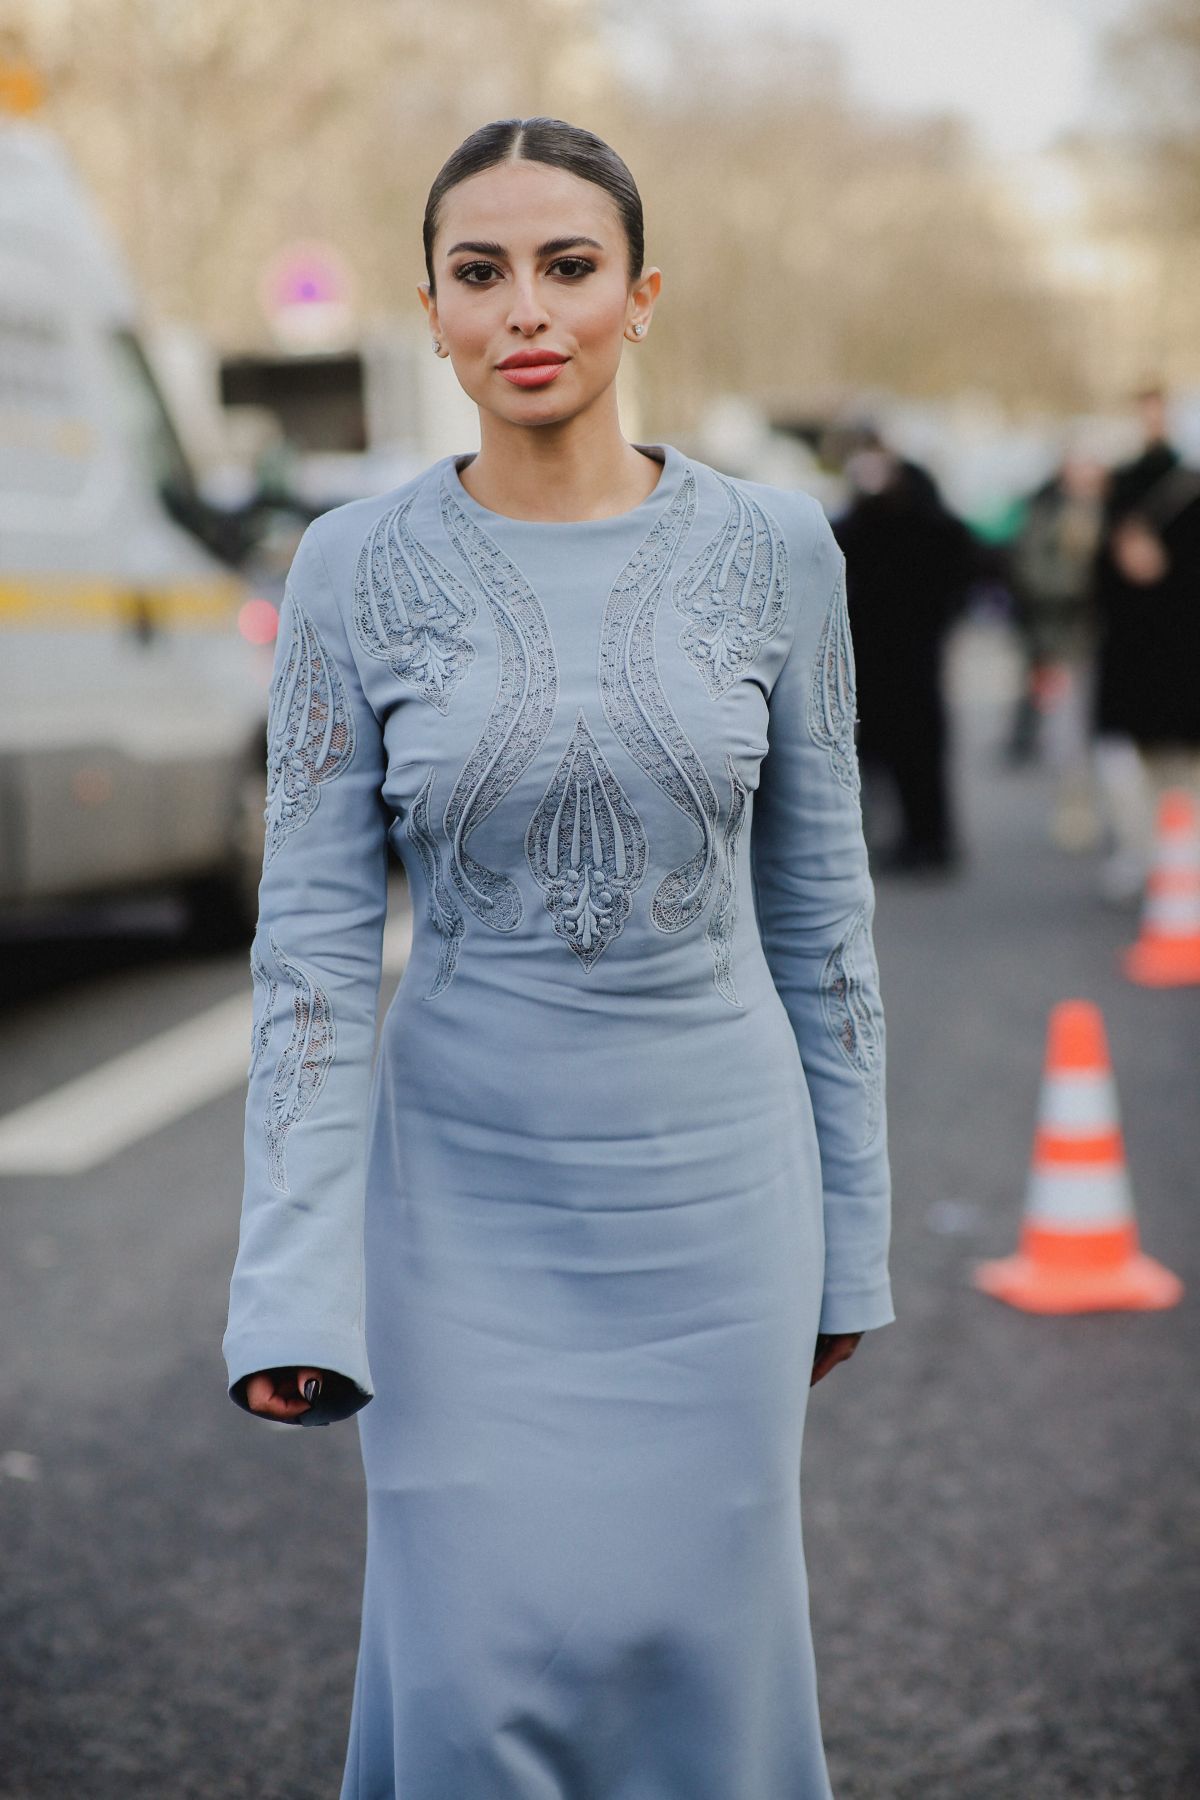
(410, 611)
(849, 978)
(443, 911)
(640, 714)
(301, 1070)
(586, 847)
(722, 919)
(734, 595)
(310, 730)
(831, 698)
(519, 719)
(262, 1024)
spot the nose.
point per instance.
(527, 313)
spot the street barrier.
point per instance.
(1079, 1249)
(1167, 953)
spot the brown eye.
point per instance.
(574, 266)
(467, 271)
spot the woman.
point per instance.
(617, 1189)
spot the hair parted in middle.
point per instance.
(550, 141)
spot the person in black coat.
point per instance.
(1148, 594)
(909, 562)
(1147, 589)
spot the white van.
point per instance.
(134, 664)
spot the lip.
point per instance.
(534, 374)
(529, 359)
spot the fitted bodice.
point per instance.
(574, 719)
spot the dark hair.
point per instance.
(550, 141)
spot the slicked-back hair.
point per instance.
(551, 141)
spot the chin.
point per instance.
(541, 409)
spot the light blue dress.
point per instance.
(623, 1150)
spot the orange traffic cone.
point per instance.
(1167, 953)
(1079, 1248)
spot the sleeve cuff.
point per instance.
(346, 1391)
(864, 1310)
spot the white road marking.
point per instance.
(98, 1114)
(81, 1123)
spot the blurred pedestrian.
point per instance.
(909, 563)
(1051, 564)
(1147, 708)
(616, 1193)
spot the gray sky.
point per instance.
(1020, 70)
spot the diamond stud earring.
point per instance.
(638, 330)
(437, 346)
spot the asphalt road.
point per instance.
(1001, 1512)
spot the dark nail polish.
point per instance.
(312, 1388)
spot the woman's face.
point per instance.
(532, 260)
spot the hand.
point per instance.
(279, 1393)
(1139, 552)
(832, 1348)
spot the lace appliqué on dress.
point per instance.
(640, 715)
(723, 917)
(520, 717)
(301, 1070)
(586, 847)
(734, 595)
(310, 730)
(265, 989)
(849, 980)
(410, 612)
(443, 910)
(831, 697)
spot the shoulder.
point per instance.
(796, 518)
(780, 545)
(336, 538)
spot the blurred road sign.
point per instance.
(306, 292)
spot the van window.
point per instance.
(145, 422)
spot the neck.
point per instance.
(581, 468)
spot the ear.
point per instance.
(643, 294)
(428, 302)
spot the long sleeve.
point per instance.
(815, 903)
(296, 1292)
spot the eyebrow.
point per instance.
(552, 247)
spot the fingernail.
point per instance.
(312, 1388)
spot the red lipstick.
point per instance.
(532, 368)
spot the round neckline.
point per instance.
(660, 494)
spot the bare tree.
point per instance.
(811, 247)
(807, 247)
(1154, 59)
